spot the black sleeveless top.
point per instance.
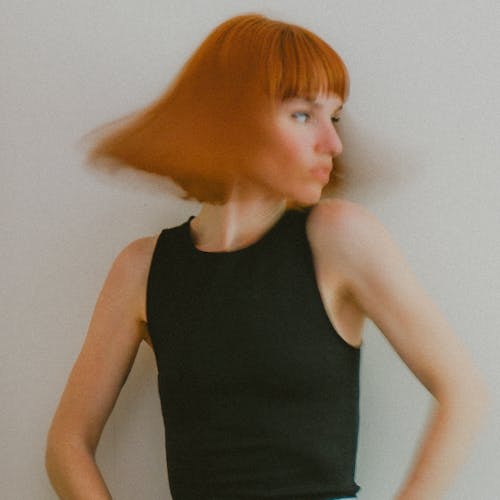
(259, 394)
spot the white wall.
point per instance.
(420, 131)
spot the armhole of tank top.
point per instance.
(356, 350)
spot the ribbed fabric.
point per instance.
(259, 394)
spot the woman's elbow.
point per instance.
(54, 451)
(60, 446)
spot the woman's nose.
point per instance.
(329, 141)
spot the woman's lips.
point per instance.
(321, 173)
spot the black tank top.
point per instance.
(259, 394)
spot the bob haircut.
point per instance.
(204, 130)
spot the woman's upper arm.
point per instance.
(381, 282)
(115, 332)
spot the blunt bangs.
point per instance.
(300, 64)
(277, 60)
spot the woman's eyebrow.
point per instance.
(316, 104)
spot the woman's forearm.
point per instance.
(444, 447)
(73, 473)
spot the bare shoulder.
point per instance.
(134, 261)
(353, 245)
(344, 229)
(138, 251)
(340, 213)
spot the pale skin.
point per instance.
(361, 273)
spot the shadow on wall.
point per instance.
(388, 168)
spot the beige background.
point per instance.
(420, 130)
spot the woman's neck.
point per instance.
(236, 224)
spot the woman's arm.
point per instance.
(115, 332)
(386, 290)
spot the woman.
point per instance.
(255, 307)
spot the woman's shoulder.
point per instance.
(335, 219)
(137, 253)
(345, 232)
(134, 261)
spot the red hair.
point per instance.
(202, 131)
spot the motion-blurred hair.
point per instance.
(202, 132)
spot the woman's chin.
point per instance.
(309, 197)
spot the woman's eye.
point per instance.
(335, 119)
(301, 116)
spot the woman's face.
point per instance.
(299, 147)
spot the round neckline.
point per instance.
(238, 251)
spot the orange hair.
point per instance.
(202, 131)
